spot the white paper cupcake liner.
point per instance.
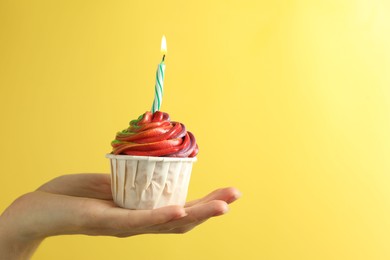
(146, 182)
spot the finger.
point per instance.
(124, 220)
(228, 195)
(195, 215)
(96, 186)
(205, 211)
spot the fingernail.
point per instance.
(237, 194)
(222, 212)
(184, 214)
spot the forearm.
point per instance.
(12, 246)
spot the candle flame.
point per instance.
(163, 45)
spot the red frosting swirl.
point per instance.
(155, 135)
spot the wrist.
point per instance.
(12, 247)
(16, 241)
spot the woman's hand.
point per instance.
(82, 204)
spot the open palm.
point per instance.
(82, 204)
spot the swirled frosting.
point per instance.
(154, 134)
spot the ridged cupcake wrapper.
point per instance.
(141, 182)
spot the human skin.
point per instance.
(82, 204)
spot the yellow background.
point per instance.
(289, 101)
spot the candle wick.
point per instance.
(163, 59)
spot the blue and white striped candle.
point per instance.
(159, 87)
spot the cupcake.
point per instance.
(151, 162)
